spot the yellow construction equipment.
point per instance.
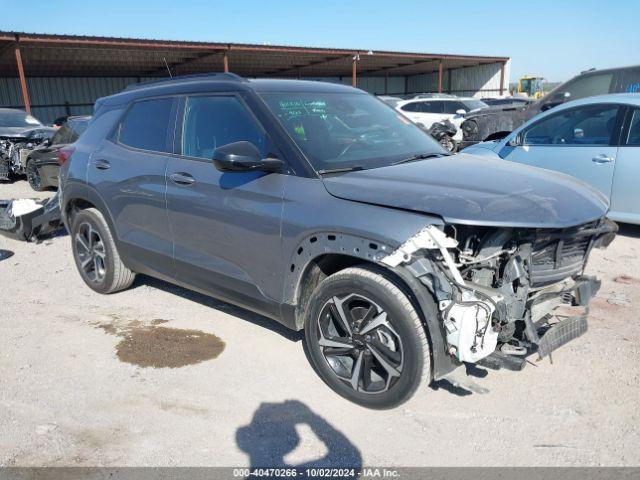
(531, 86)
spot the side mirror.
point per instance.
(46, 142)
(242, 157)
(461, 111)
(515, 141)
(578, 133)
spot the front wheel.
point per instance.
(365, 338)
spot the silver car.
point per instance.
(596, 140)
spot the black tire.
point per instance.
(403, 334)
(33, 176)
(96, 255)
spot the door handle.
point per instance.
(602, 158)
(102, 164)
(182, 178)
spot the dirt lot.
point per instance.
(158, 375)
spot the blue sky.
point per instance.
(555, 39)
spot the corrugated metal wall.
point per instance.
(52, 97)
(480, 81)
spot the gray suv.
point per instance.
(321, 207)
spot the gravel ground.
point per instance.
(158, 375)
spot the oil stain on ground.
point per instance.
(162, 347)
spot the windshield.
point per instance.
(345, 130)
(474, 104)
(17, 118)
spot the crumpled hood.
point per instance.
(474, 190)
(23, 132)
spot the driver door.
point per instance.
(225, 225)
(578, 142)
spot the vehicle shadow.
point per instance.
(629, 230)
(471, 370)
(219, 305)
(4, 254)
(272, 435)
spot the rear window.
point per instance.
(146, 125)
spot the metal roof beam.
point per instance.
(186, 62)
(297, 68)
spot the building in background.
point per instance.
(56, 75)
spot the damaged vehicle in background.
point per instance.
(427, 109)
(497, 123)
(400, 262)
(43, 162)
(19, 134)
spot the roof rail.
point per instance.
(187, 78)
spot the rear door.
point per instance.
(226, 225)
(128, 171)
(625, 194)
(579, 142)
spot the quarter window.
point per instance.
(631, 80)
(589, 86)
(146, 125)
(412, 107)
(592, 125)
(211, 122)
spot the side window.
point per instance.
(590, 125)
(433, 107)
(633, 138)
(211, 122)
(146, 125)
(453, 107)
(631, 80)
(589, 86)
(412, 107)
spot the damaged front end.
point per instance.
(503, 293)
(15, 149)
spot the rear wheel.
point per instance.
(365, 338)
(96, 255)
(33, 176)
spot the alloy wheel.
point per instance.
(33, 177)
(91, 252)
(359, 343)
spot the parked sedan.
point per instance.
(596, 140)
(42, 165)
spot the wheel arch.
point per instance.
(79, 197)
(313, 261)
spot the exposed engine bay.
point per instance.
(504, 293)
(15, 148)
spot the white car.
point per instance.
(429, 110)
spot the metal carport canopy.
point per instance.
(44, 55)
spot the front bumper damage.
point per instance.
(29, 220)
(516, 293)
